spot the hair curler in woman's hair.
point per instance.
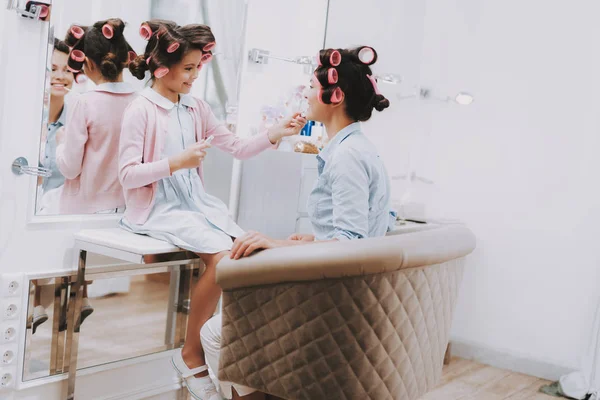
(145, 31)
(335, 58)
(209, 46)
(161, 72)
(367, 55)
(132, 56)
(332, 76)
(108, 31)
(173, 47)
(337, 96)
(374, 83)
(75, 62)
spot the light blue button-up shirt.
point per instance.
(351, 198)
(56, 179)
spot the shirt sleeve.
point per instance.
(69, 154)
(350, 193)
(240, 148)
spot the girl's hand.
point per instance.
(189, 158)
(289, 126)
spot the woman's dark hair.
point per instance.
(168, 43)
(103, 43)
(348, 71)
(61, 46)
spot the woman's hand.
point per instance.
(289, 126)
(250, 242)
(189, 158)
(302, 237)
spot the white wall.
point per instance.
(518, 166)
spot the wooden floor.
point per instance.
(468, 380)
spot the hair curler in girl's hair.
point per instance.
(74, 35)
(108, 31)
(75, 62)
(332, 76)
(206, 58)
(145, 31)
(160, 72)
(173, 47)
(132, 55)
(209, 46)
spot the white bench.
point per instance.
(121, 253)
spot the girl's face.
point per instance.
(317, 111)
(182, 75)
(60, 79)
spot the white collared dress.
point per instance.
(183, 213)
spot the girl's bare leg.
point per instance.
(205, 297)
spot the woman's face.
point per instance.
(60, 79)
(182, 75)
(317, 111)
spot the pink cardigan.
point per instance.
(87, 158)
(145, 126)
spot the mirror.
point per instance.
(119, 320)
(217, 84)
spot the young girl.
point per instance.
(351, 198)
(164, 137)
(88, 154)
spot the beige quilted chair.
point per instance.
(366, 319)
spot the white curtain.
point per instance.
(586, 381)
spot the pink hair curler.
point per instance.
(374, 83)
(337, 95)
(132, 55)
(366, 55)
(81, 78)
(78, 55)
(332, 76)
(161, 72)
(209, 46)
(148, 60)
(75, 71)
(335, 58)
(206, 58)
(45, 10)
(173, 47)
(145, 32)
(319, 63)
(77, 31)
(320, 96)
(200, 67)
(108, 31)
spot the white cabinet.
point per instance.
(274, 190)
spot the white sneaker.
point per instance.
(38, 317)
(200, 388)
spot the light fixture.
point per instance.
(392, 79)
(462, 98)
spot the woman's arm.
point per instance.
(133, 172)
(70, 151)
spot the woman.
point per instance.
(351, 199)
